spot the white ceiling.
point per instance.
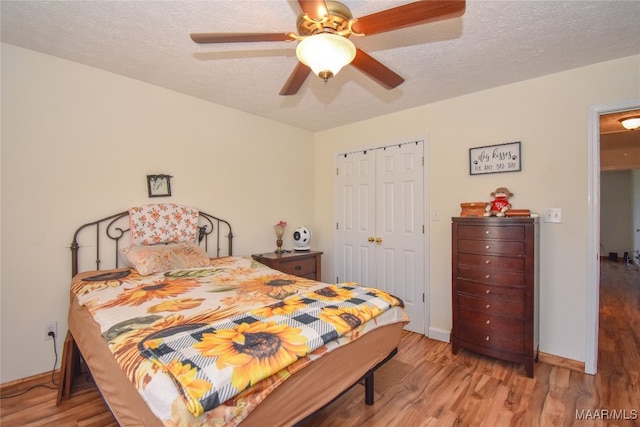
(492, 44)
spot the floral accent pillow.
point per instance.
(163, 223)
(153, 259)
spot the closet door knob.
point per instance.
(371, 239)
(379, 240)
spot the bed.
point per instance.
(209, 338)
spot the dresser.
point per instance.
(495, 290)
(305, 264)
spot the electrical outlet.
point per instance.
(50, 327)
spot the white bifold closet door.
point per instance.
(379, 235)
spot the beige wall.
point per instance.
(549, 115)
(635, 191)
(77, 144)
(617, 201)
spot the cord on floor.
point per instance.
(53, 374)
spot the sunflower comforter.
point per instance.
(226, 335)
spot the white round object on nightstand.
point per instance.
(301, 238)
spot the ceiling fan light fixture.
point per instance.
(631, 123)
(325, 53)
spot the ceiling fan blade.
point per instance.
(384, 76)
(295, 80)
(419, 12)
(204, 38)
(316, 9)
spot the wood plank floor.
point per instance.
(446, 390)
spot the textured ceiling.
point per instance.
(493, 43)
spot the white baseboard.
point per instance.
(440, 334)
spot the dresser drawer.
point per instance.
(302, 264)
(491, 247)
(488, 324)
(494, 307)
(299, 267)
(506, 335)
(491, 292)
(492, 262)
(491, 232)
(496, 277)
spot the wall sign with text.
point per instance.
(495, 158)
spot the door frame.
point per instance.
(593, 233)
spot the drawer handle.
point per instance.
(486, 247)
(487, 338)
(486, 232)
(487, 291)
(488, 322)
(488, 305)
(298, 267)
(487, 276)
(487, 262)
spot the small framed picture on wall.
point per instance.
(159, 185)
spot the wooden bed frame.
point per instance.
(214, 234)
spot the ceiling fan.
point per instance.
(324, 28)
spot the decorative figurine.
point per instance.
(500, 203)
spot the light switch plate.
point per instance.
(553, 215)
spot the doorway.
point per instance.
(593, 238)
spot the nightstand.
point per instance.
(305, 264)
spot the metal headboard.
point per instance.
(114, 229)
